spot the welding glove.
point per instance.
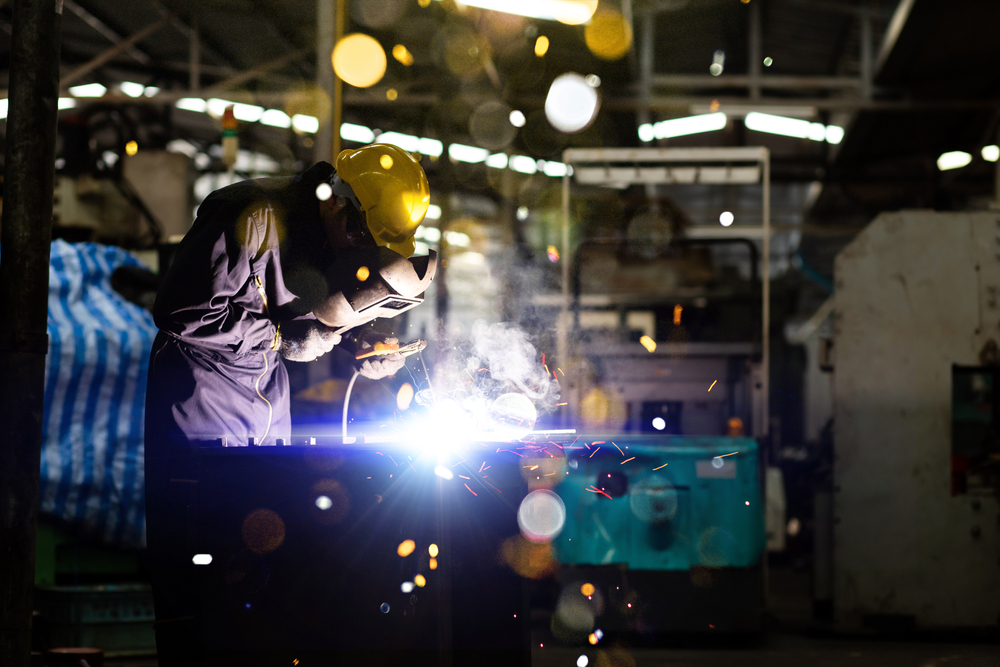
(380, 366)
(305, 340)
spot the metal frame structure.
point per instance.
(646, 166)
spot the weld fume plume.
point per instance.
(496, 359)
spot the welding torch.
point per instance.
(384, 349)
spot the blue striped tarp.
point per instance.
(95, 388)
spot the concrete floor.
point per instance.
(794, 641)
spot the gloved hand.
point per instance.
(305, 340)
(378, 367)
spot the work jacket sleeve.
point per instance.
(210, 295)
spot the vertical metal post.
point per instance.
(765, 342)
(566, 256)
(326, 17)
(646, 67)
(338, 85)
(867, 67)
(24, 285)
(195, 57)
(755, 54)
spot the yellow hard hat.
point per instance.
(391, 188)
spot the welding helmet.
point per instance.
(389, 187)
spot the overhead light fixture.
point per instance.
(88, 90)
(470, 154)
(991, 153)
(793, 127)
(570, 12)
(680, 127)
(304, 123)
(131, 88)
(497, 161)
(953, 160)
(249, 113)
(195, 104)
(523, 164)
(276, 118)
(66, 103)
(217, 107)
(3, 108)
(433, 212)
(358, 133)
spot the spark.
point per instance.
(462, 461)
(662, 466)
(599, 442)
(392, 459)
(713, 384)
(595, 451)
(618, 448)
(546, 369)
(558, 404)
(533, 467)
(724, 455)
(464, 477)
(677, 314)
(482, 466)
(487, 481)
(470, 490)
(547, 474)
(596, 490)
(380, 453)
(625, 461)
(561, 371)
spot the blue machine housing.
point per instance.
(691, 510)
(680, 543)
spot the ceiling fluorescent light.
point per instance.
(358, 133)
(433, 212)
(88, 90)
(470, 154)
(66, 103)
(217, 107)
(646, 132)
(953, 160)
(407, 142)
(3, 108)
(497, 161)
(572, 12)
(192, 104)
(523, 164)
(991, 153)
(680, 127)
(249, 113)
(788, 127)
(431, 147)
(276, 118)
(131, 88)
(304, 123)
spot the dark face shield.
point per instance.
(371, 282)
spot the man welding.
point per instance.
(271, 268)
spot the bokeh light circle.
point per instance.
(263, 531)
(323, 191)
(324, 502)
(608, 35)
(384, 608)
(517, 118)
(359, 60)
(659, 424)
(541, 515)
(726, 218)
(490, 125)
(377, 13)
(571, 104)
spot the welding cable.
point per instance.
(347, 401)
(270, 410)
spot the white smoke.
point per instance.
(495, 360)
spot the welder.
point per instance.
(271, 268)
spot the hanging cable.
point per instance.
(270, 410)
(347, 401)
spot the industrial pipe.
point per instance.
(24, 284)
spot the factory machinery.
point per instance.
(915, 511)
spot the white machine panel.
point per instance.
(916, 294)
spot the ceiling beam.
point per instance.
(107, 55)
(104, 30)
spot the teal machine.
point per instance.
(667, 530)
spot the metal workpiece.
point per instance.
(914, 381)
